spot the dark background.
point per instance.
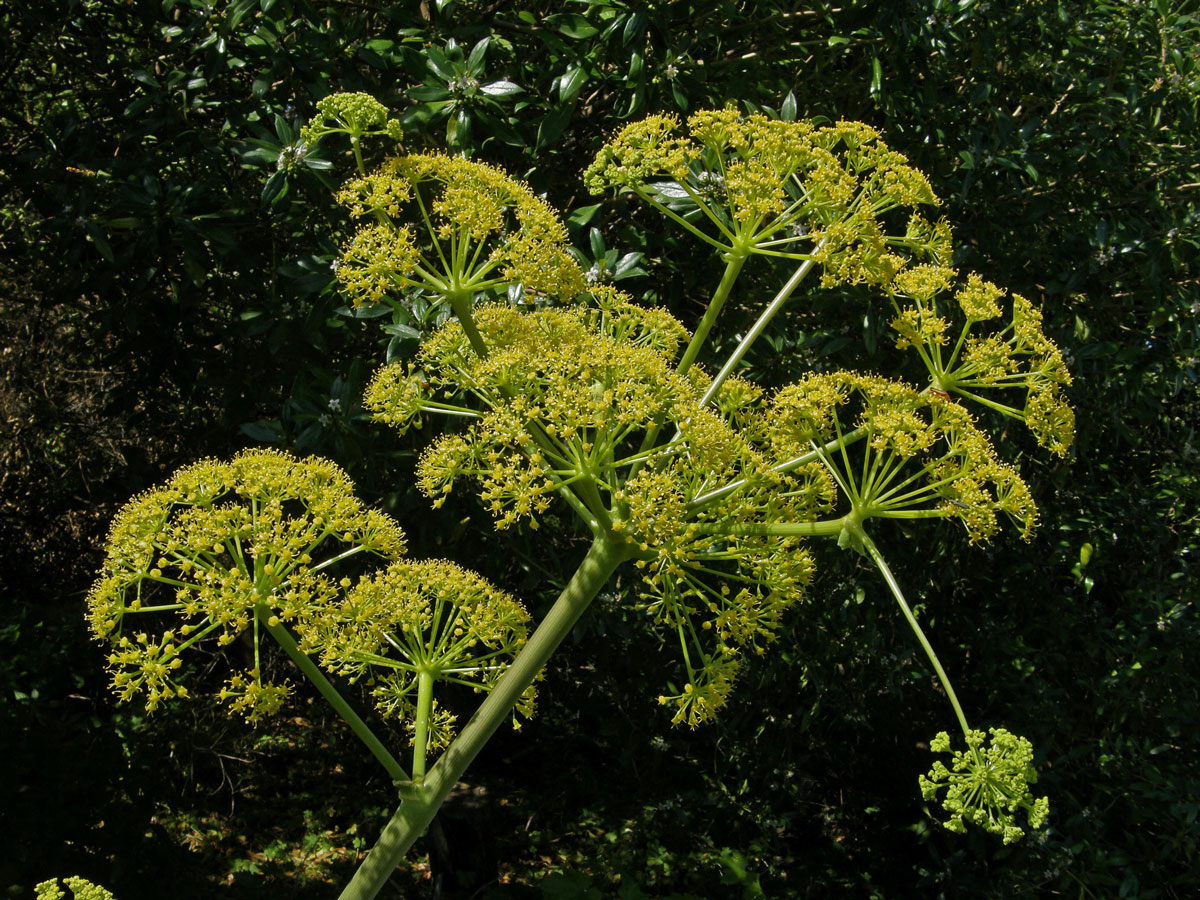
(166, 295)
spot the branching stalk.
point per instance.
(756, 331)
(420, 803)
(263, 614)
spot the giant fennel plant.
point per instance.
(546, 388)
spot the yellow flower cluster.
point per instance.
(356, 114)
(987, 785)
(375, 261)
(775, 187)
(920, 456)
(218, 546)
(980, 367)
(568, 401)
(423, 618)
(485, 231)
(80, 888)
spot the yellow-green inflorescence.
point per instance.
(752, 184)
(452, 229)
(987, 785)
(269, 540)
(81, 889)
(983, 358)
(355, 114)
(711, 483)
(562, 405)
(902, 453)
(423, 619)
(207, 548)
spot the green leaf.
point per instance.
(671, 190)
(266, 430)
(437, 63)
(635, 27)
(636, 64)
(553, 125)
(283, 128)
(476, 57)
(365, 311)
(596, 240)
(573, 25)
(500, 89)
(627, 266)
(99, 240)
(458, 128)
(583, 215)
(678, 95)
(425, 93)
(787, 112)
(570, 83)
(274, 188)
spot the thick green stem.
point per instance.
(420, 803)
(733, 266)
(892, 584)
(421, 726)
(355, 145)
(330, 693)
(828, 528)
(462, 310)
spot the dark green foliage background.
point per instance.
(165, 297)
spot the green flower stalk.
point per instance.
(987, 785)
(356, 115)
